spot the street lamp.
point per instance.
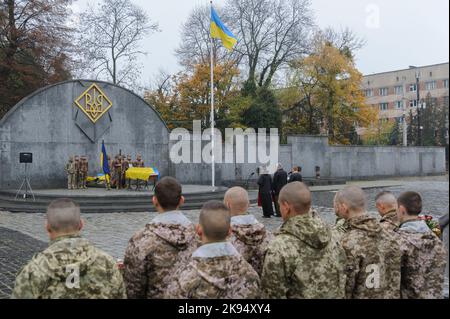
(419, 127)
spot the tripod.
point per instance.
(26, 183)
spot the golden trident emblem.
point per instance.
(94, 103)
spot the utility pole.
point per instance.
(419, 128)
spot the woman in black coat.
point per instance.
(265, 192)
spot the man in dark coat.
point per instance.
(279, 181)
(265, 192)
(296, 175)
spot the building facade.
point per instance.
(395, 92)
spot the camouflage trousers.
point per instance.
(82, 180)
(71, 181)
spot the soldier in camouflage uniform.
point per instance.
(84, 170)
(216, 269)
(386, 204)
(248, 236)
(373, 254)
(70, 170)
(152, 253)
(424, 254)
(77, 171)
(305, 260)
(71, 267)
(118, 171)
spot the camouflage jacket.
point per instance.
(424, 262)
(390, 221)
(304, 261)
(251, 239)
(70, 268)
(216, 271)
(152, 254)
(341, 227)
(373, 260)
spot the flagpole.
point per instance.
(213, 172)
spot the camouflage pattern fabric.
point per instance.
(373, 260)
(304, 261)
(152, 254)
(390, 221)
(70, 268)
(251, 239)
(216, 271)
(424, 262)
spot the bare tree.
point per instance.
(110, 35)
(345, 40)
(271, 33)
(195, 47)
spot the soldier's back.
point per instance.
(373, 260)
(304, 261)
(251, 239)
(154, 253)
(215, 271)
(424, 262)
(71, 268)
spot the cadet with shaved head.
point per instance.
(386, 204)
(248, 236)
(71, 267)
(216, 269)
(373, 254)
(305, 260)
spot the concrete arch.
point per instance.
(50, 125)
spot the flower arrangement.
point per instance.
(432, 224)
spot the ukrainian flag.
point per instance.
(220, 31)
(104, 160)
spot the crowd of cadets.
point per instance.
(229, 254)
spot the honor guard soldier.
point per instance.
(138, 163)
(70, 169)
(114, 171)
(118, 170)
(125, 166)
(77, 172)
(84, 169)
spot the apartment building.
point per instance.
(395, 92)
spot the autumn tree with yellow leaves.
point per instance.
(326, 88)
(185, 97)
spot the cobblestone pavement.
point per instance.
(111, 232)
(15, 250)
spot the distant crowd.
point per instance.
(229, 254)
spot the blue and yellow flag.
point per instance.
(220, 31)
(104, 160)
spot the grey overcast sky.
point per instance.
(399, 33)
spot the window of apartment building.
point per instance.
(368, 93)
(399, 104)
(384, 106)
(413, 103)
(413, 88)
(399, 90)
(399, 119)
(446, 84)
(430, 85)
(384, 91)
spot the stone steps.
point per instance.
(105, 204)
